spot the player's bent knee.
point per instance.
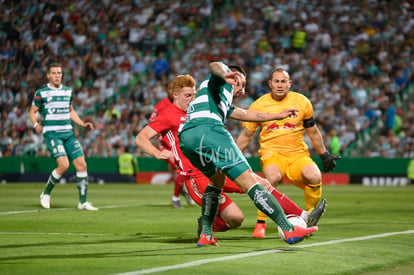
(236, 221)
(63, 167)
(80, 164)
(314, 181)
(313, 178)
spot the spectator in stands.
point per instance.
(5, 141)
(161, 66)
(333, 142)
(386, 65)
(30, 141)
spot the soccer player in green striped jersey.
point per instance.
(205, 141)
(54, 102)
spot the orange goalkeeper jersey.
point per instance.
(284, 136)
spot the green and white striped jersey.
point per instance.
(54, 105)
(212, 104)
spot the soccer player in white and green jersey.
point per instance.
(205, 141)
(54, 102)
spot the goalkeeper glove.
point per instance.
(328, 161)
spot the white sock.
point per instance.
(174, 198)
(56, 175)
(305, 215)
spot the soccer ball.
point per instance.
(295, 220)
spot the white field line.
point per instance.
(259, 253)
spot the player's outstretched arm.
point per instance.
(75, 118)
(254, 116)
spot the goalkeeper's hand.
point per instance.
(328, 161)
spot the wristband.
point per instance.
(34, 125)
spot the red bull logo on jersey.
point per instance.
(285, 126)
(273, 126)
(288, 126)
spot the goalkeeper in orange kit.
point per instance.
(282, 149)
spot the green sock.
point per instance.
(82, 184)
(211, 198)
(50, 184)
(266, 203)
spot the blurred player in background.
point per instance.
(179, 187)
(54, 101)
(282, 149)
(127, 165)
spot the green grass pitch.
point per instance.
(366, 230)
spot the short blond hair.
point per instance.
(182, 81)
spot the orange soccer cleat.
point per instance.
(299, 234)
(259, 231)
(203, 241)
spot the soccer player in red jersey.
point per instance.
(166, 124)
(178, 179)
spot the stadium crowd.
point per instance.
(353, 59)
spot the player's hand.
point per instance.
(38, 128)
(288, 113)
(164, 154)
(89, 125)
(328, 161)
(232, 78)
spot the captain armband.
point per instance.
(310, 122)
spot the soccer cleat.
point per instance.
(299, 234)
(87, 206)
(45, 200)
(176, 204)
(187, 196)
(203, 241)
(199, 226)
(316, 213)
(259, 231)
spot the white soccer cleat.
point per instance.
(87, 206)
(187, 196)
(176, 204)
(45, 200)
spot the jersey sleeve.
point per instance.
(308, 110)
(160, 124)
(37, 99)
(153, 115)
(215, 82)
(230, 110)
(159, 108)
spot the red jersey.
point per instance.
(166, 124)
(160, 107)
